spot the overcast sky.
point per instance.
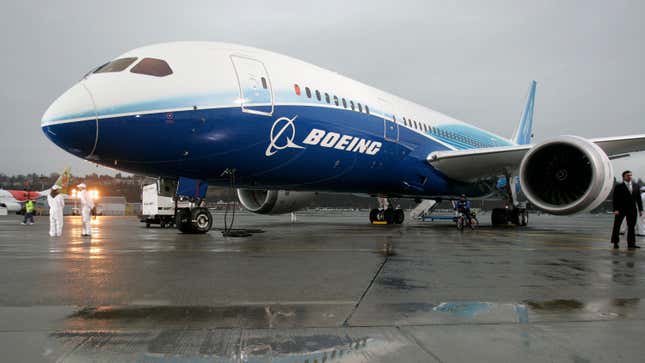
(472, 60)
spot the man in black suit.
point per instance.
(627, 204)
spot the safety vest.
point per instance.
(29, 206)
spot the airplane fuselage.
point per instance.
(280, 123)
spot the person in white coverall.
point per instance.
(86, 209)
(56, 203)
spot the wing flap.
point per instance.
(470, 165)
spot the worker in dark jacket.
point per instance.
(627, 204)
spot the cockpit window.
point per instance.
(116, 65)
(152, 67)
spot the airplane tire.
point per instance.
(373, 215)
(399, 216)
(499, 217)
(201, 220)
(524, 218)
(182, 220)
(388, 215)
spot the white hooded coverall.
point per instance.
(86, 211)
(56, 206)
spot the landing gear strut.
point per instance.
(516, 214)
(386, 214)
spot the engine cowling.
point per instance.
(566, 175)
(274, 201)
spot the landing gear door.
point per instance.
(256, 94)
(390, 126)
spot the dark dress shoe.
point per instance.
(633, 247)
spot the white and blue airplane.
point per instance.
(285, 129)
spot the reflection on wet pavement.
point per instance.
(326, 289)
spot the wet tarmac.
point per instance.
(325, 289)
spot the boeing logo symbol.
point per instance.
(282, 134)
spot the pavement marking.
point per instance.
(351, 313)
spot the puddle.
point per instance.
(399, 283)
(227, 345)
(556, 305)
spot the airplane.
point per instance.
(13, 200)
(280, 129)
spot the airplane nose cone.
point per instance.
(70, 122)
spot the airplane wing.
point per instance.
(469, 165)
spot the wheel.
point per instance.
(516, 217)
(524, 218)
(147, 224)
(182, 220)
(162, 225)
(201, 220)
(388, 215)
(474, 223)
(460, 223)
(399, 216)
(373, 215)
(499, 217)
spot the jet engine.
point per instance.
(274, 201)
(566, 175)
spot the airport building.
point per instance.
(111, 206)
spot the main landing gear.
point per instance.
(386, 214)
(505, 216)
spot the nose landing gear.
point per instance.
(194, 220)
(191, 214)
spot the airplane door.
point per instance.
(256, 94)
(390, 126)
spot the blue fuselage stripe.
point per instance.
(203, 143)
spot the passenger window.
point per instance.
(264, 83)
(297, 89)
(308, 92)
(327, 98)
(116, 65)
(351, 105)
(344, 103)
(360, 108)
(152, 67)
(367, 110)
(336, 100)
(318, 95)
(415, 125)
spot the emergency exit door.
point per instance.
(256, 95)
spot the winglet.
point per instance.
(524, 132)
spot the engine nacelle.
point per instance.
(274, 201)
(566, 175)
